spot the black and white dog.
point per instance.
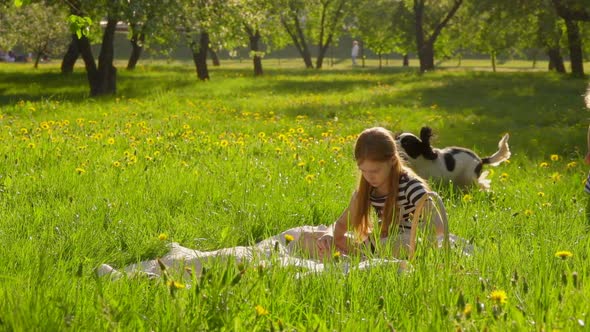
(460, 165)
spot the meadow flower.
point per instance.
(321, 162)
(261, 135)
(467, 310)
(309, 178)
(564, 254)
(336, 255)
(528, 213)
(289, 238)
(572, 164)
(80, 170)
(544, 165)
(300, 130)
(163, 237)
(554, 157)
(116, 164)
(546, 204)
(111, 141)
(541, 194)
(24, 131)
(278, 150)
(467, 198)
(175, 285)
(31, 145)
(301, 164)
(499, 296)
(223, 143)
(260, 311)
(336, 149)
(555, 176)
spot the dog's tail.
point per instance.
(501, 155)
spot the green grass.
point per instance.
(236, 159)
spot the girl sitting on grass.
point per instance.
(393, 190)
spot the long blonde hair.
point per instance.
(377, 144)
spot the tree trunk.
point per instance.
(322, 53)
(136, 41)
(426, 57)
(214, 57)
(380, 61)
(425, 45)
(37, 58)
(91, 70)
(254, 37)
(299, 40)
(555, 60)
(575, 47)
(107, 73)
(71, 56)
(493, 58)
(406, 60)
(200, 56)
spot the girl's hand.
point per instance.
(325, 244)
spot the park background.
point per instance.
(87, 179)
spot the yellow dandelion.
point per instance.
(80, 170)
(31, 145)
(467, 310)
(321, 162)
(324, 134)
(111, 141)
(156, 153)
(24, 131)
(261, 135)
(44, 125)
(528, 213)
(289, 238)
(504, 175)
(572, 164)
(564, 254)
(554, 157)
(336, 255)
(546, 204)
(555, 176)
(467, 198)
(175, 284)
(116, 164)
(223, 143)
(544, 165)
(163, 237)
(186, 126)
(150, 141)
(336, 149)
(301, 164)
(499, 296)
(309, 178)
(300, 130)
(278, 150)
(260, 311)
(541, 194)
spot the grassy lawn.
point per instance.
(236, 159)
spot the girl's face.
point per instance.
(375, 172)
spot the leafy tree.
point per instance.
(40, 29)
(151, 22)
(430, 20)
(310, 22)
(572, 11)
(385, 26)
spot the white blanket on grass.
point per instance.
(275, 250)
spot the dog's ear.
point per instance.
(425, 134)
(427, 152)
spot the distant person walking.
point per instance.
(355, 52)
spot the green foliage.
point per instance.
(234, 160)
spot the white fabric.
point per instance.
(272, 250)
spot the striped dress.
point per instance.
(410, 191)
(587, 185)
